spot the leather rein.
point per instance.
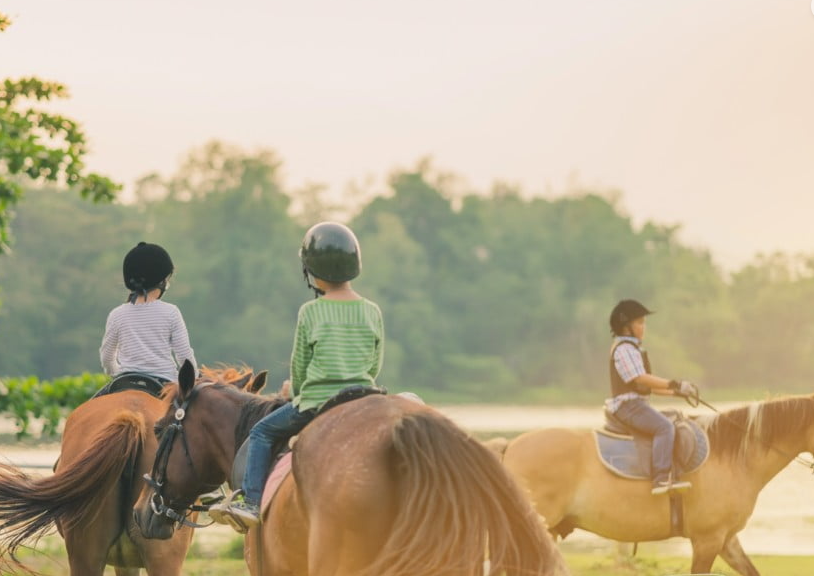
(158, 477)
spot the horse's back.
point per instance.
(353, 442)
(90, 419)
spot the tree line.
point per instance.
(490, 296)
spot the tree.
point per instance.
(40, 146)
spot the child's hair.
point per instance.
(146, 267)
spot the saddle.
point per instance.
(627, 453)
(284, 447)
(152, 385)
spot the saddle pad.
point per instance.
(629, 457)
(281, 470)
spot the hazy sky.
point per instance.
(701, 112)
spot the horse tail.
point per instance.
(73, 495)
(455, 501)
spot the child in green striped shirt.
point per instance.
(338, 343)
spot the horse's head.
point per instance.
(196, 446)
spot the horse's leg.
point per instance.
(336, 552)
(735, 556)
(704, 550)
(163, 557)
(346, 531)
(87, 550)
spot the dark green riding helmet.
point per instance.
(330, 252)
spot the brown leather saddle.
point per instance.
(345, 395)
(627, 453)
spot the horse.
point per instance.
(380, 486)
(561, 472)
(105, 450)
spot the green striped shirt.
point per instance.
(338, 343)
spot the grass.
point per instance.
(586, 564)
(49, 560)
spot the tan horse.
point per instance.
(107, 446)
(571, 488)
(381, 486)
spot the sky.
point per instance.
(701, 113)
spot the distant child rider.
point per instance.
(632, 383)
(145, 334)
(339, 342)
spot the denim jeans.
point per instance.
(639, 414)
(284, 422)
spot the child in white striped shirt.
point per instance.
(145, 334)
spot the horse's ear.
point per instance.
(241, 382)
(258, 383)
(186, 378)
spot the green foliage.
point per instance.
(40, 146)
(485, 297)
(27, 399)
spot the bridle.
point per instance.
(158, 477)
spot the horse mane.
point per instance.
(253, 406)
(224, 373)
(733, 432)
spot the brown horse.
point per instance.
(381, 486)
(107, 446)
(571, 488)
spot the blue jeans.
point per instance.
(284, 422)
(639, 414)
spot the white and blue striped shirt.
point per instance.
(148, 337)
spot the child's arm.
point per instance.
(300, 356)
(378, 357)
(110, 343)
(179, 341)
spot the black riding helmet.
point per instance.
(147, 266)
(330, 252)
(624, 312)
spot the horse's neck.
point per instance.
(249, 416)
(768, 456)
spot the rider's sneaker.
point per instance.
(246, 512)
(235, 512)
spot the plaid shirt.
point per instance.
(629, 363)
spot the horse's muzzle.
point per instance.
(152, 525)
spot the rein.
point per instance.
(696, 400)
(158, 476)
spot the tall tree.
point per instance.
(40, 146)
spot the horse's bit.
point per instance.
(158, 477)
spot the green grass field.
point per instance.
(223, 560)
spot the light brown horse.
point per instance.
(107, 446)
(571, 488)
(381, 486)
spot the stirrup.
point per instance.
(220, 514)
